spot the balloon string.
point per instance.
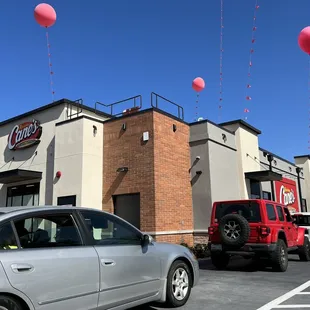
(221, 60)
(197, 100)
(50, 64)
(253, 40)
(309, 100)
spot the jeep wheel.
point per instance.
(220, 260)
(279, 257)
(304, 251)
(234, 230)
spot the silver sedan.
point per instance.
(84, 259)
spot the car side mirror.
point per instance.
(146, 240)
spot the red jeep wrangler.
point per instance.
(258, 229)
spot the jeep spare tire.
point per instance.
(234, 230)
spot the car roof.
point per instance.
(7, 212)
(301, 213)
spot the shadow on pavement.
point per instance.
(240, 264)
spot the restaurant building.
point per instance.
(148, 166)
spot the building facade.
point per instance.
(147, 166)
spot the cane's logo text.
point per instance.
(287, 196)
(25, 135)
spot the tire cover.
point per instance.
(240, 223)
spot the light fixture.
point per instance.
(122, 169)
(124, 127)
(94, 130)
(199, 172)
(58, 174)
(174, 127)
(224, 137)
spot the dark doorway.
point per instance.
(66, 201)
(128, 208)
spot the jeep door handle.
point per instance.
(20, 268)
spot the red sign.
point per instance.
(286, 193)
(24, 135)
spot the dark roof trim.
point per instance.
(78, 118)
(52, 105)
(244, 124)
(212, 123)
(283, 159)
(263, 176)
(303, 156)
(17, 175)
(145, 111)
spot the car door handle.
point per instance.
(107, 262)
(20, 268)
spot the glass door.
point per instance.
(23, 195)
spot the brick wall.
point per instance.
(125, 148)
(173, 194)
(158, 170)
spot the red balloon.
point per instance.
(198, 84)
(304, 40)
(45, 15)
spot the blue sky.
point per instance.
(111, 50)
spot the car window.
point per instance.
(50, 230)
(109, 230)
(288, 215)
(271, 213)
(7, 238)
(302, 219)
(280, 213)
(249, 210)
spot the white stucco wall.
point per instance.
(27, 158)
(78, 156)
(248, 155)
(71, 148)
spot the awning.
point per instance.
(17, 175)
(263, 176)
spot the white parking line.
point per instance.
(275, 304)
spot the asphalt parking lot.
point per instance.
(248, 286)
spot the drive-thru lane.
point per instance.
(249, 287)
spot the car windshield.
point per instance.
(249, 210)
(302, 219)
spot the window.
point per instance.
(303, 220)
(23, 195)
(109, 230)
(249, 210)
(255, 189)
(266, 195)
(7, 238)
(51, 230)
(288, 215)
(280, 213)
(271, 212)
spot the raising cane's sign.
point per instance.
(286, 193)
(24, 135)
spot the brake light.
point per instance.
(264, 230)
(211, 231)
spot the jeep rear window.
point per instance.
(249, 210)
(302, 219)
